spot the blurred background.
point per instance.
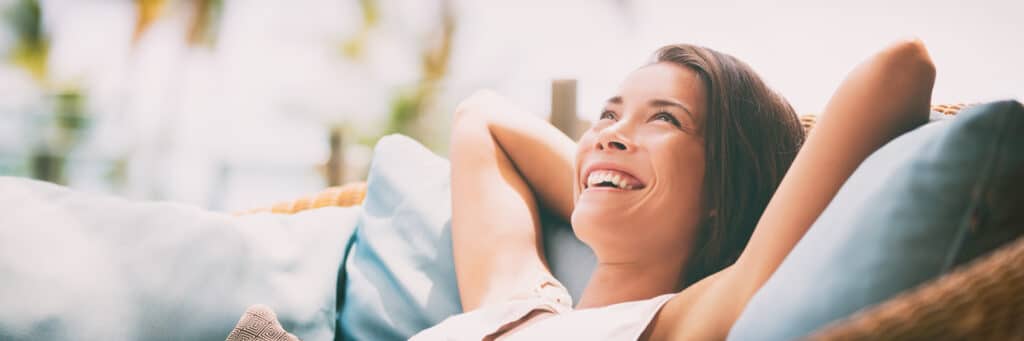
(236, 104)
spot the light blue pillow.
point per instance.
(78, 266)
(901, 219)
(400, 273)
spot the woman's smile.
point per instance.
(611, 176)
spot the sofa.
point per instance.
(923, 242)
(981, 298)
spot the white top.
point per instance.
(622, 321)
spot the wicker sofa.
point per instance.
(980, 300)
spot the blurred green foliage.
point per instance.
(31, 44)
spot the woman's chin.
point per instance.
(609, 200)
(595, 213)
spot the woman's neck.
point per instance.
(613, 283)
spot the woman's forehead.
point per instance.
(663, 81)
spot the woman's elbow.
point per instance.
(909, 75)
(462, 111)
(469, 123)
(477, 105)
(910, 57)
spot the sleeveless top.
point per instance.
(622, 321)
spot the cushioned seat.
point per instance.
(984, 299)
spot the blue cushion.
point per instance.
(400, 272)
(78, 266)
(899, 220)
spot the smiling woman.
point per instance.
(750, 140)
(666, 188)
(662, 146)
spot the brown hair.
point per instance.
(751, 135)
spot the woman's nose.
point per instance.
(611, 145)
(611, 138)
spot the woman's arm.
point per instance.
(880, 99)
(504, 162)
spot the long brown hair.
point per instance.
(751, 135)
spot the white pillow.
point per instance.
(77, 266)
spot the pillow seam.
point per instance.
(980, 187)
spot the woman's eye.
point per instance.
(664, 116)
(607, 114)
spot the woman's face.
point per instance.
(640, 167)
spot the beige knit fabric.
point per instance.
(259, 323)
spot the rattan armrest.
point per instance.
(983, 300)
(350, 194)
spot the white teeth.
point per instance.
(617, 180)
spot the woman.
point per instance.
(667, 188)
